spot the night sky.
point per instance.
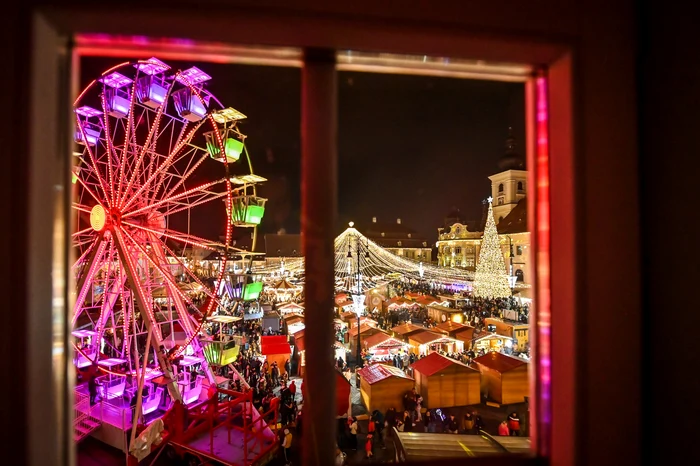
(412, 147)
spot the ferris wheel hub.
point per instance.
(98, 218)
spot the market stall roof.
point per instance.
(349, 315)
(382, 340)
(292, 316)
(400, 301)
(499, 362)
(466, 334)
(434, 363)
(274, 345)
(407, 328)
(378, 372)
(490, 336)
(426, 336)
(287, 306)
(442, 308)
(450, 326)
(426, 300)
(364, 328)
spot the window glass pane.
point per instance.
(464, 308)
(187, 235)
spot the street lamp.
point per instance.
(511, 277)
(358, 298)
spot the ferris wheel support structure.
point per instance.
(142, 301)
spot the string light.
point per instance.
(491, 279)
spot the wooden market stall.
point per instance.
(440, 313)
(444, 382)
(519, 332)
(366, 330)
(382, 346)
(466, 336)
(504, 378)
(383, 387)
(450, 328)
(490, 341)
(292, 323)
(427, 341)
(276, 349)
(403, 331)
(290, 308)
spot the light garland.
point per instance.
(375, 270)
(491, 279)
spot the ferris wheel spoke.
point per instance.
(190, 240)
(110, 150)
(110, 292)
(92, 161)
(135, 170)
(202, 198)
(86, 278)
(206, 290)
(177, 197)
(128, 134)
(164, 166)
(189, 170)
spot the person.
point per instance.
(478, 423)
(92, 388)
(353, 433)
(503, 429)
(287, 367)
(368, 446)
(293, 389)
(468, 423)
(451, 425)
(275, 374)
(514, 423)
(286, 445)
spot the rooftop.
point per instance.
(377, 372)
(435, 362)
(500, 362)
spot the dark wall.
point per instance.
(669, 119)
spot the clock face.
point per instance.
(444, 317)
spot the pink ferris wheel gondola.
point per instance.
(144, 132)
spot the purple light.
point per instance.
(92, 134)
(151, 91)
(189, 106)
(87, 111)
(116, 80)
(152, 66)
(193, 76)
(118, 102)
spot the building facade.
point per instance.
(399, 239)
(459, 244)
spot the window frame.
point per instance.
(48, 40)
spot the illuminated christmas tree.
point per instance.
(491, 279)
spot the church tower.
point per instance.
(508, 186)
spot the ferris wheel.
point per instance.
(145, 133)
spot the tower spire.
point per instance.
(511, 160)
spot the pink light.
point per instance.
(544, 415)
